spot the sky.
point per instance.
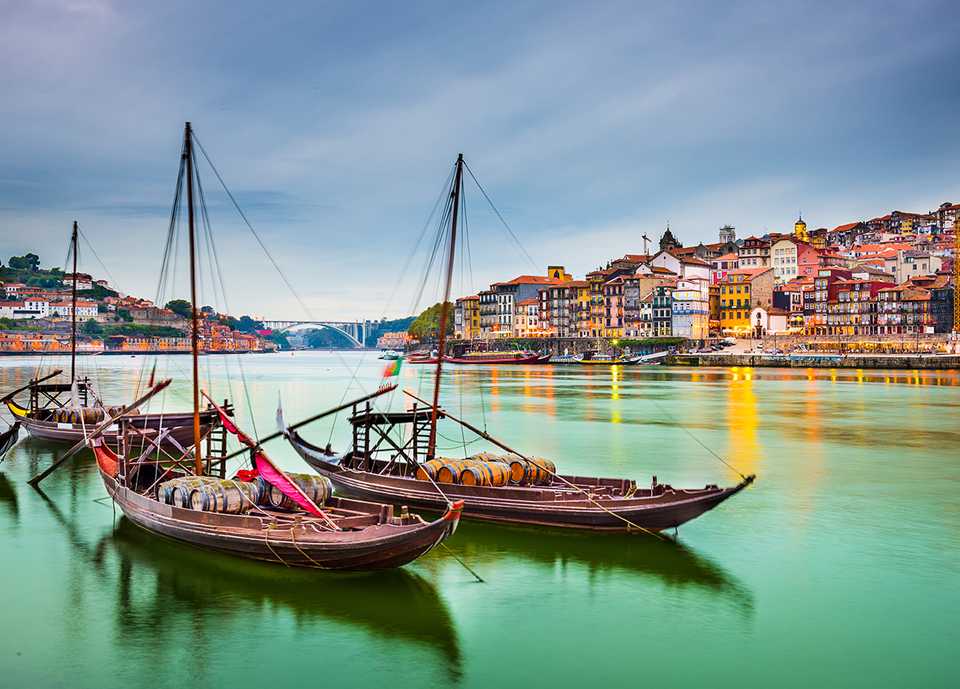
(335, 124)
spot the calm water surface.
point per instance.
(838, 568)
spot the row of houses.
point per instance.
(796, 282)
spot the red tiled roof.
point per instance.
(531, 280)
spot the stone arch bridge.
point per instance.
(355, 331)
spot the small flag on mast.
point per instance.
(392, 370)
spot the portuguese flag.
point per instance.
(392, 369)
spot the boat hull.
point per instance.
(180, 426)
(532, 506)
(378, 547)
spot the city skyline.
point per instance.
(336, 127)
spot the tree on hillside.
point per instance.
(426, 326)
(91, 327)
(29, 262)
(181, 307)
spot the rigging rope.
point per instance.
(498, 214)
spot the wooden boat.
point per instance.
(368, 535)
(578, 502)
(485, 358)
(64, 411)
(380, 468)
(297, 529)
(605, 360)
(51, 417)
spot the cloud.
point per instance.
(588, 125)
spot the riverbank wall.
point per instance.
(864, 361)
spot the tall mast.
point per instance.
(442, 336)
(73, 308)
(194, 323)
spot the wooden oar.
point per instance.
(293, 427)
(96, 432)
(487, 436)
(10, 395)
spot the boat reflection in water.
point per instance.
(8, 498)
(668, 562)
(165, 588)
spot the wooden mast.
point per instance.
(73, 309)
(194, 323)
(442, 336)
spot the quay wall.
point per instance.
(898, 361)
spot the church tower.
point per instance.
(668, 241)
(800, 230)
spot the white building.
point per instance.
(85, 309)
(29, 308)
(783, 258)
(691, 308)
(684, 266)
(768, 321)
(911, 264)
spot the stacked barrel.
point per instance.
(84, 415)
(230, 496)
(488, 469)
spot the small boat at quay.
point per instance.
(63, 411)
(261, 513)
(51, 414)
(390, 355)
(510, 488)
(487, 358)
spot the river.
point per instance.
(838, 567)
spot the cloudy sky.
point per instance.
(336, 123)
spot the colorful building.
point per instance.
(742, 291)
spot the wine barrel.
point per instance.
(317, 488)
(499, 473)
(537, 471)
(518, 471)
(176, 491)
(226, 497)
(429, 469)
(475, 476)
(91, 415)
(449, 472)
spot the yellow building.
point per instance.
(582, 294)
(466, 318)
(740, 292)
(800, 230)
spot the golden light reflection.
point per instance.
(742, 418)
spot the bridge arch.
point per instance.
(355, 332)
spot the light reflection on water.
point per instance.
(855, 504)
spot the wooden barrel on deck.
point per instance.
(537, 471)
(317, 488)
(91, 415)
(226, 497)
(449, 471)
(499, 473)
(176, 491)
(475, 476)
(429, 469)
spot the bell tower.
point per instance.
(800, 230)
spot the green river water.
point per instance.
(840, 567)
